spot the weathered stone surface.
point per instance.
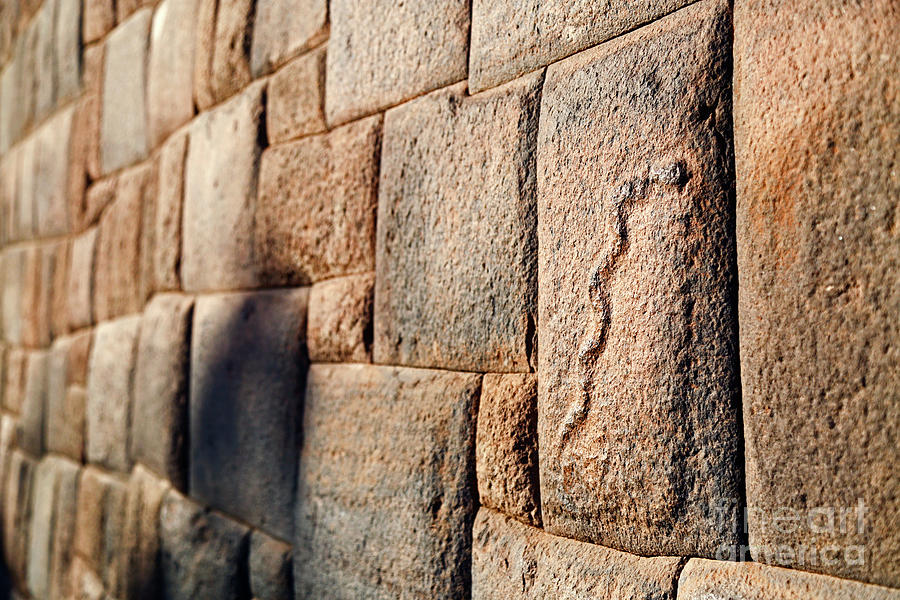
(80, 289)
(381, 53)
(51, 182)
(398, 526)
(9, 166)
(638, 396)
(202, 552)
(817, 116)
(457, 268)
(109, 392)
(126, 8)
(23, 226)
(13, 280)
(284, 28)
(65, 416)
(512, 38)
(67, 49)
(219, 195)
(36, 297)
(100, 526)
(91, 110)
(16, 510)
(58, 253)
(31, 421)
(140, 544)
(270, 568)
(340, 319)
(62, 551)
(99, 17)
(14, 385)
(159, 415)
(85, 583)
(512, 560)
(167, 225)
(123, 126)
(231, 48)
(204, 37)
(296, 98)
(101, 194)
(316, 213)
(117, 276)
(506, 446)
(703, 579)
(170, 70)
(247, 359)
(41, 27)
(8, 84)
(8, 443)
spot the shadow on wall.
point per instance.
(5, 583)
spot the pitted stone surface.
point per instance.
(166, 259)
(340, 319)
(638, 394)
(457, 266)
(141, 540)
(80, 290)
(284, 28)
(231, 48)
(397, 527)
(296, 103)
(270, 568)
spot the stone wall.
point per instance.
(416, 299)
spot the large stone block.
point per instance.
(506, 446)
(340, 319)
(817, 116)
(166, 260)
(100, 526)
(383, 52)
(284, 28)
(316, 213)
(270, 568)
(220, 194)
(246, 372)
(67, 49)
(296, 100)
(159, 416)
(512, 560)
(203, 553)
(231, 48)
(457, 265)
(170, 69)
(62, 551)
(638, 394)
(398, 527)
(16, 511)
(80, 287)
(51, 185)
(703, 579)
(41, 53)
(14, 262)
(34, 403)
(109, 392)
(23, 226)
(36, 297)
(141, 542)
(65, 415)
(123, 125)
(205, 38)
(58, 255)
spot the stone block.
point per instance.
(506, 446)
(247, 355)
(340, 319)
(41, 52)
(456, 276)
(270, 568)
(382, 53)
(512, 560)
(14, 262)
(36, 297)
(285, 28)
(316, 213)
(702, 579)
(202, 552)
(62, 552)
(51, 208)
(16, 510)
(58, 254)
(109, 392)
(15, 375)
(170, 70)
(219, 195)
(67, 49)
(159, 417)
(399, 526)
(166, 261)
(8, 84)
(23, 225)
(9, 167)
(98, 19)
(296, 98)
(31, 421)
(100, 526)
(8, 443)
(123, 125)
(638, 396)
(817, 110)
(204, 38)
(80, 286)
(141, 542)
(231, 48)
(92, 100)
(65, 413)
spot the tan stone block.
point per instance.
(16, 511)
(67, 49)
(58, 287)
(53, 141)
(36, 297)
(283, 29)
(382, 53)
(231, 50)
(316, 213)
(14, 264)
(65, 408)
(296, 98)
(62, 550)
(140, 545)
(34, 403)
(15, 375)
(270, 568)
(92, 99)
(205, 39)
(340, 319)
(41, 52)
(166, 260)
(100, 526)
(80, 287)
(98, 19)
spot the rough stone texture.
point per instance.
(51, 180)
(247, 358)
(14, 385)
(40, 536)
(398, 526)
(59, 285)
(638, 417)
(340, 319)
(67, 49)
(512, 560)
(62, 551)
(704, 579)
(170, 69)
(817, 116)
(204, 39)
(296, 100)
(98, 18)
(159, 415)
(316, 213)
(13, 280)
(97, 197)
(270, 568)
(141, 544)
(109, 392)
(383, 52)
(90, 113)
(100, 525)
(167, 226)
(202, 552)
(17, 514)
(456, 271)
(219, 195)
(31, 422)
(23, 226)
(506, 446)
(123, 126)
(125, 8)
(284, 28)
(231, 48)
(80, 289)
(41, 27)
(36, 298)
(65, 414)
